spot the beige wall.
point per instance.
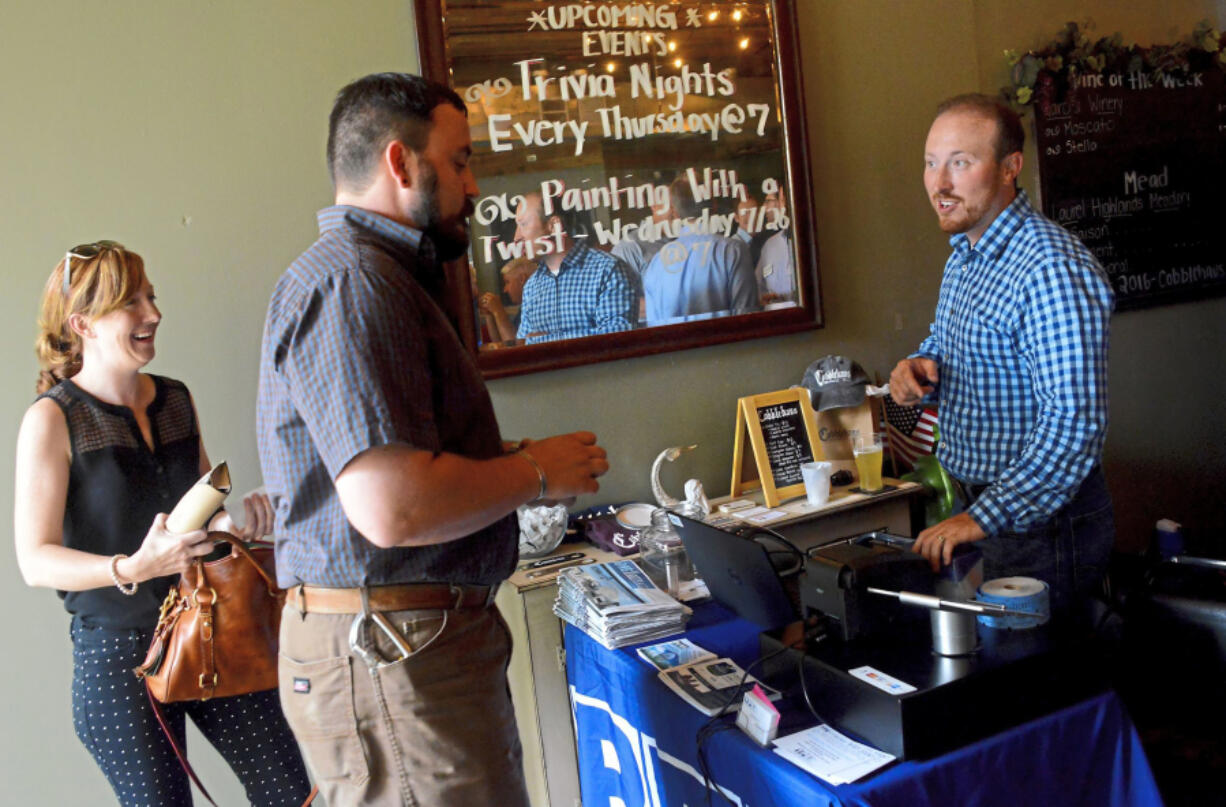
(194, 133)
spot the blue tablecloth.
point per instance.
(636, 744)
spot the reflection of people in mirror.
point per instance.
(637, 253)
(515, 274)
(748, 227)
(576, 290)
(775, 269)
(701, 274)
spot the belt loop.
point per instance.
(457, 593)
(490, 594)
(301, 607)
(963, 491)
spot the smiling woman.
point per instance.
(102, 455)
(649, 161)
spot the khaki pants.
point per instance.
(436, 729)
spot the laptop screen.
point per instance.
(738, 572)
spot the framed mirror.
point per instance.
(643, 173)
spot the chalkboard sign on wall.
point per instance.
(1133, 164)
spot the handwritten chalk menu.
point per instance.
(781, 430)
(589, 119)
(783, 433)
(1135, 167)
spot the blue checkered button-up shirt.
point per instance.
(592, 293)
(1021, 336)
(357, 354)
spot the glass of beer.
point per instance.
(867, 449)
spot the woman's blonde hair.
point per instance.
(96, 285)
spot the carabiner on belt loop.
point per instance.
(360, 641)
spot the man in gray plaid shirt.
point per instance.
(394, 493)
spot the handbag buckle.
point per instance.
(204, 682)
(195, 596)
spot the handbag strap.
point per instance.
(187, 766)
(205, 598)
(239, 548)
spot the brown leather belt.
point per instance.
(409, 597)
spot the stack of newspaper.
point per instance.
(617, 604)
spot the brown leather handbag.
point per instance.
(217, 632)
(217, 635)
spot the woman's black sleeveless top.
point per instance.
(117, 485)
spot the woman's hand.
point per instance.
(164, 553)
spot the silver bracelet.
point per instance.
(540, 474)
(131, 589)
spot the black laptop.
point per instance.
(738, 572)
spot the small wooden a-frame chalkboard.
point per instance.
(782, 432)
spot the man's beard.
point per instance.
(450, 239)
(962, 223)
(448, 244)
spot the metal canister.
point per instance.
(954, 633)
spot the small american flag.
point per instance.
(910, 430)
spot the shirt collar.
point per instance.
(411, 243)
(574, 256)
(992, 243)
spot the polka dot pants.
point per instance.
(115, 722)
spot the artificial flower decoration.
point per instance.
(1050, 74)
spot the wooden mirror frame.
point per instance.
(432, 50)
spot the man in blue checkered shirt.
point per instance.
(576, 290)
(1017, 359)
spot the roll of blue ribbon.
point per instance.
(1017, 594)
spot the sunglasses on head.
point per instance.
(85, 252)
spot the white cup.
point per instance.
(817, 481)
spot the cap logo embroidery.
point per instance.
(832, 376)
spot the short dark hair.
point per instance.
(1010, 136)
(681, 197)
(373, 111)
